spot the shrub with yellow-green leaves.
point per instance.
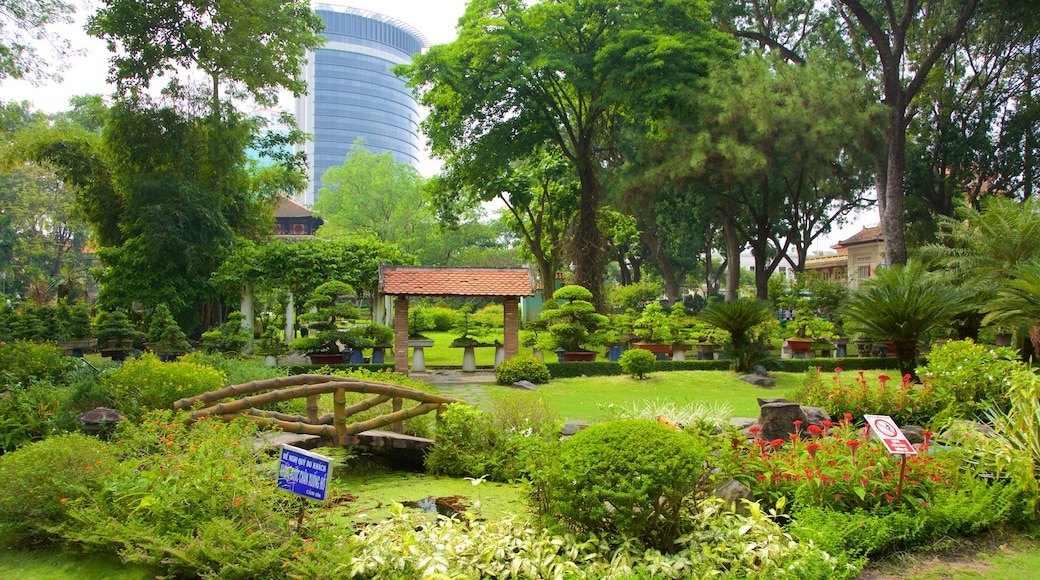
(146, 383)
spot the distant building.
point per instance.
(865, 252)
(292, 221)
(353, 93)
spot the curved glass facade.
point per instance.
(353, 93)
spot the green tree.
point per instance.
(254, 48)
(373, 195)
(25, 31)
(562, 71)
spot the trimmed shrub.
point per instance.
(146, 383)
(628, 479)
(637, 363)
(796, 365)
(972, 374)
(583, 369)
(40, 482)
(522, 368)
(23, 361)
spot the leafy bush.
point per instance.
(628, 479)
(197, 500)
(906, 402)
(406, 546)
(236, 370)
(228, 337)
(972, 374)
(423, 318)
(145, 383)
(969, 508)
(22, 361)
(29, 412)
(40, 482)
(522, 368)
(637, 363)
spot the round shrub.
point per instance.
(629, 478)
(146, 383)
(522, 368)
(42, 480)
(972, 375)
(22, 361)
(637, 363)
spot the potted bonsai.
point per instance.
(654, 330)
(469, 334)
(682, 338)
(419, 321)
(574, 324)
(228, 337)
(324, 313)
(270, 345)
(115, 333)
(165, 337)
(382, 337)
(807, 329)
(77, 334)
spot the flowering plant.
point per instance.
(907, 403)
(838, 467)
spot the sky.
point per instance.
(436, 19)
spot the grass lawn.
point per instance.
(54, 565)
(588, 397)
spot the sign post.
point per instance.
(893, 439)
(304, 473)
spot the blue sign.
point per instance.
(304, 473)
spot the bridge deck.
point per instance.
(374, 438)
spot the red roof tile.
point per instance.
(864, 236)
(289, 208)
(430, 281)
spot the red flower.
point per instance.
(889, 498)
(797, 425)
(814, 430)
(812, 448)
(776, 443)
(848, 416)
(837, 369)
(827, 424)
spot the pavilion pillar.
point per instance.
(511, 324)
(401, 334)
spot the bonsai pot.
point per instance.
(270, 360)
(579, 356)
(378, 354)
(1003, 339)
(799, 346)
(706, 350)
(326, 358)
(863, 347)
(679, 350)
(661, 350)
(76, 347)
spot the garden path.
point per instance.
(467, 386)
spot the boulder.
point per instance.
(914, 433)
(571, 427)
(777, 420)
(815, 416)
(766, 401)
(733, 492)
(742, 422)
(526, 385)
(760, 370)
(758, 380)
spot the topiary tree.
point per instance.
(324, 317)
(164, 334)
(114, 327)
(576, 321)
(628, 479)
(638, 363)
(522, 368)
(228, 337)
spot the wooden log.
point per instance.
(339, 403)
(330, 430)
(398, 426)
(312, 408)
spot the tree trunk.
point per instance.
(729, 233)
(671, 283)
(587, 245)
(892, 210)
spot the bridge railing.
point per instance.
(330, 425)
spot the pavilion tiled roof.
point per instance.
(864, 236)
(436, 281)
(289, 208)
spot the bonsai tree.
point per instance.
(229, 337)
(114, 327)
(74, 321)
(419, 320)
(679, 324)
(164, 334)
(381, 335)
(468, 329)
(576, 321)
(653, 325)
(738, 318)
(270, 341)
(807, 325)
(900, 305)
(323, 318)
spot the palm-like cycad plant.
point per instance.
(738, 318)
(899, 306)
(1018, 302)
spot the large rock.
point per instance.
(815, 416)
(742, 422)
(777, 420)
(760, 370)
(526, 385)
(758, 381)
(571, 427)
(768, 400)
(914, 433)
(733, 492)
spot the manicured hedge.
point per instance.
(694, 365)
(307, 369)
(577, 369)
(800, 365)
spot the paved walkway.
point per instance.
(470, 387)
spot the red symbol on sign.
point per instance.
(885, 428)
(899, 446)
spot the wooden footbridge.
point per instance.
(330, 428)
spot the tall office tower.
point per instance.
(353, 93)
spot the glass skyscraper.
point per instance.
(353, 93)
